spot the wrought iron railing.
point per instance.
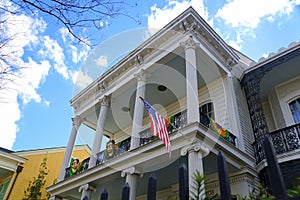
(119, 149)
(180, 120)
(284, 140)
(80, 167)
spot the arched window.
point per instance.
(207, 109)
(295, 109)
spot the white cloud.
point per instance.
(101, 61)
(81, 80)
(249, 13)
(159, 17)
(55, 52)
(47, 103)
(237, 43)
(9, 115)
(32, 75)
(25, 32)
(65, 34)
(77, 55)
(104, 24)
(29, 79)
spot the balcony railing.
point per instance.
(119, 149)
(80, 167)
(174, 123)
(284, 140)
(179, 121)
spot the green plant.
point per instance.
(261, 194)
(34, 189)
(199, 190)
(295, 192)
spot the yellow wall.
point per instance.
(32, 166)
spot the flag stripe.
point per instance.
(158, 126)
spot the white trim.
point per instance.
(284, 105)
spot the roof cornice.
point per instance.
(271, 57)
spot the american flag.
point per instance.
(158, 126)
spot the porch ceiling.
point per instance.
(280, 74)
(4, 173)
(169, 72)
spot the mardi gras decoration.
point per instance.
(219, 129)
(75, 166)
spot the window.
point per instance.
(207, 109)
(295, 109)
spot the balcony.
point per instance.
(180, 120)
(284, 140)
(174, 123)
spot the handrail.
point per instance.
(284, 140)
(178, 121)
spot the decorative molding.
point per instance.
(230, 62)
(183, 26)
(186, 27)
(139, 59)
(76, 121)
(76, 106)
(104, 101)
(142, 75)
(189, 43)
(235, 179)
(195, 147)
(101, 86)
(87, 187)
(131, 171)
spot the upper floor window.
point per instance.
(295, 109)
(207, 109)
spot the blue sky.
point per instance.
(35, 112)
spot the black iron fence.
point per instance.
(277, 184)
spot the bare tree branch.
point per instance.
(76, 14)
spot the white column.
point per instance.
(66, 162)
(191, 80)
(138, 109)
(86, 190)
(196, 152)
(99, 131)
(131, 176)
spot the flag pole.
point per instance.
(141, 98)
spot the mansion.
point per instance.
(214, 98)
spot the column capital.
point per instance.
(104, 101)
(189, 43)
(142, 75)
(77, 120)
(87, 187)
(195, 147)
(131, 171)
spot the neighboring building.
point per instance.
(30, 161)
(10, 168)
(217, 100)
